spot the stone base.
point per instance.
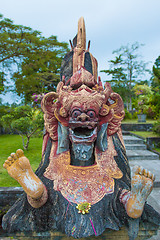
(150, 233)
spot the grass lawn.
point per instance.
(157, 149)
(136, 121)
(145, 134)
(9, 144)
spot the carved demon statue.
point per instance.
(83, 183)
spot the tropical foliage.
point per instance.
(25, 121)
(126, 70)
(29, 59)
(143, 96)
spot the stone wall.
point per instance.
(137, 126)
(8, 196)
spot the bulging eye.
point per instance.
(91, 114)
(76, 113)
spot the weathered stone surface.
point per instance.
(129, 139)
(135, 146)
(152, 142)
(136, 149)
(8, 196)
(141, 155)
(151, 233)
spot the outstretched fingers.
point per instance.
(138, 170)
(12, 158)
(20, 153)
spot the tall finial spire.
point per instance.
(79, 58)
(81, 36)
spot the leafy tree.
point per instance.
(156, 129)
(154, 109)
(2, 79)
(126, 69)
(32, 60)
(4, 109)
(156, 72)
(15, 42)
(24, 120)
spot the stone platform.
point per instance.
(138, 154)
(122, 234)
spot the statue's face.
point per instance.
(83, 125)
(81, 108)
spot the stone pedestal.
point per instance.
(141, 117)
(122, 234)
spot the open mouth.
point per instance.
(82, 134)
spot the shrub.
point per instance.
(128, 115)
(134, 116)
(152, 112)
(154, 106)
(156, 127)
(25, 120)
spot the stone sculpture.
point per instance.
(83, 183)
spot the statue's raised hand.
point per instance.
(141, 187)
(19, 168)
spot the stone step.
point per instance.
(135, 146)
(152, 165)
(132, 140)
(141, 155)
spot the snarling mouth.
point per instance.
(83, 134)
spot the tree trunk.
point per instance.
(130, 87)
(127, 105)
(27, 143)
(130, 103)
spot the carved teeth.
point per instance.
(92, 132)
(81, 135)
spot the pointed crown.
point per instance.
(79, 66)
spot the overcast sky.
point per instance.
(109, 23)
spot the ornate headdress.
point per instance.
(79, 66)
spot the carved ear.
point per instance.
(50, 121)
(104, 110)
(118, 106)
(63, 112)
(107, 90)
(47, 103)
(119, 113)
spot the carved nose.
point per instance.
(83, 117)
